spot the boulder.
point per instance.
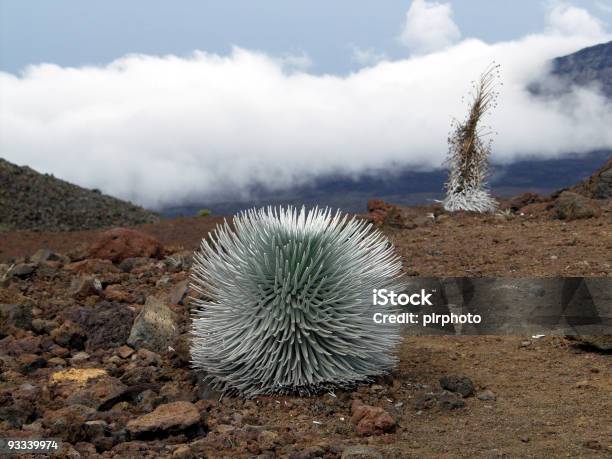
(155, 328)
(461, 385)
(573, 206)
(371, 420)
(598, 185)
(106, 324)
(118, 244)
(91, 387)
(518, 202)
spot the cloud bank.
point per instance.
(165, 130)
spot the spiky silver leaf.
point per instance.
(471, 200)
(289, 302)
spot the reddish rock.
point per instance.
(116, 292)
(118, 244)
(69, 335)
(67, 422)
(92, 266)
(518, 202)
(98, 392)
(537, 208)
(371, 420)
(377, 211)
(82, 287)
(125, 351)
(174, 416)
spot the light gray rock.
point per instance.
(155, 328)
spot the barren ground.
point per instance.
(452, 245)
(550, 397)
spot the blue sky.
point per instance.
(77, 32)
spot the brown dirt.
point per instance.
(518, 246)
(552, 398)
(179, 232)
(452, 245)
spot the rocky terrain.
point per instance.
(94, 351)
(30, 200)
(94, 339)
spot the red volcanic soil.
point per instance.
(461, 244)
(69, 370)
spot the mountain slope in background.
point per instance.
(589, 66)
(30, 200)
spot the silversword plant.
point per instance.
(287, 302)
(469, 151)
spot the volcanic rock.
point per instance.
(30, 362)
(599, 185)
(92, 266)
(118, 244)
(572, 206)
(461, 385)
(82, 287)
(377, 211)
(155, 328)
(518, 202)
(174, 417)
(42, 255)
(23, 270)
(67, 422)
(16, 315)
(106, 324)
(30, 200)
(370, 420)
(69, 335)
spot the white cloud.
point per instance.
(367, 56)
(161, 130)
(566, 19)
(429, 27)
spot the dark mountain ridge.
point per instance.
(30, 200)
(589, 66)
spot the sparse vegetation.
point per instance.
(204, 213)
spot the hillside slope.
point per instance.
(589, 66)
(30, 200)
